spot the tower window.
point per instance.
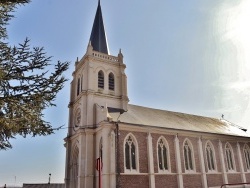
(100, 80)
(188, 156)
(229, 157)
(78, 86)
(111, 81)
(246, 151)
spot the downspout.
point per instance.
(118, 171)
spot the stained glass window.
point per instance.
(162, 155)
(130, 154)
(188, 156)
(229, 157)
(210, 157)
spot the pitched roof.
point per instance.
(139, 115)
(44, 185)
(98, 36)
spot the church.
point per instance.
(114, 144)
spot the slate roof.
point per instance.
(139, 115)
(44, 185)
(98, 36)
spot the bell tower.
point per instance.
(99, 82)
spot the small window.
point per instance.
(100, 80)
(78, 86)
(81, 82)
(246, 151)
(163, 159)
(210, 157)
(111, 81)
(229, 157)
(130, 150)
(188, 156)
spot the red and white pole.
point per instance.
(99, 169)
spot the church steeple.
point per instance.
(98, 36)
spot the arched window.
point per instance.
(229, 157)
(111, 81)
(188, 156)
(100, 79)
(246, 152)
(78, 86)
(131, 155)
(81, 82)
(163, 155)
(100, 148)
(210, 157)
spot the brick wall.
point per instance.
(248, 177)
(234, 178)
(192, 181)
(134, 181)
(166, 181)
(214, 180)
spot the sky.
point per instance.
(185, 56)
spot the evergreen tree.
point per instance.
(28, 84)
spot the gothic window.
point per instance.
(210, 157)
(163, 155)
(100, 148)
(188, 156)
(111, 81)
(100, 79)
(246, 152)
(130, 147)
(78, 86)
(229, 157)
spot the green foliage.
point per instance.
(28, 84)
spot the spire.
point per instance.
(98, 36)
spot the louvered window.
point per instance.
(111, 81)
(100, 80)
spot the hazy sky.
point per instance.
(186, 56)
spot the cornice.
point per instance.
(181, 132)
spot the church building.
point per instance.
(114, 144)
